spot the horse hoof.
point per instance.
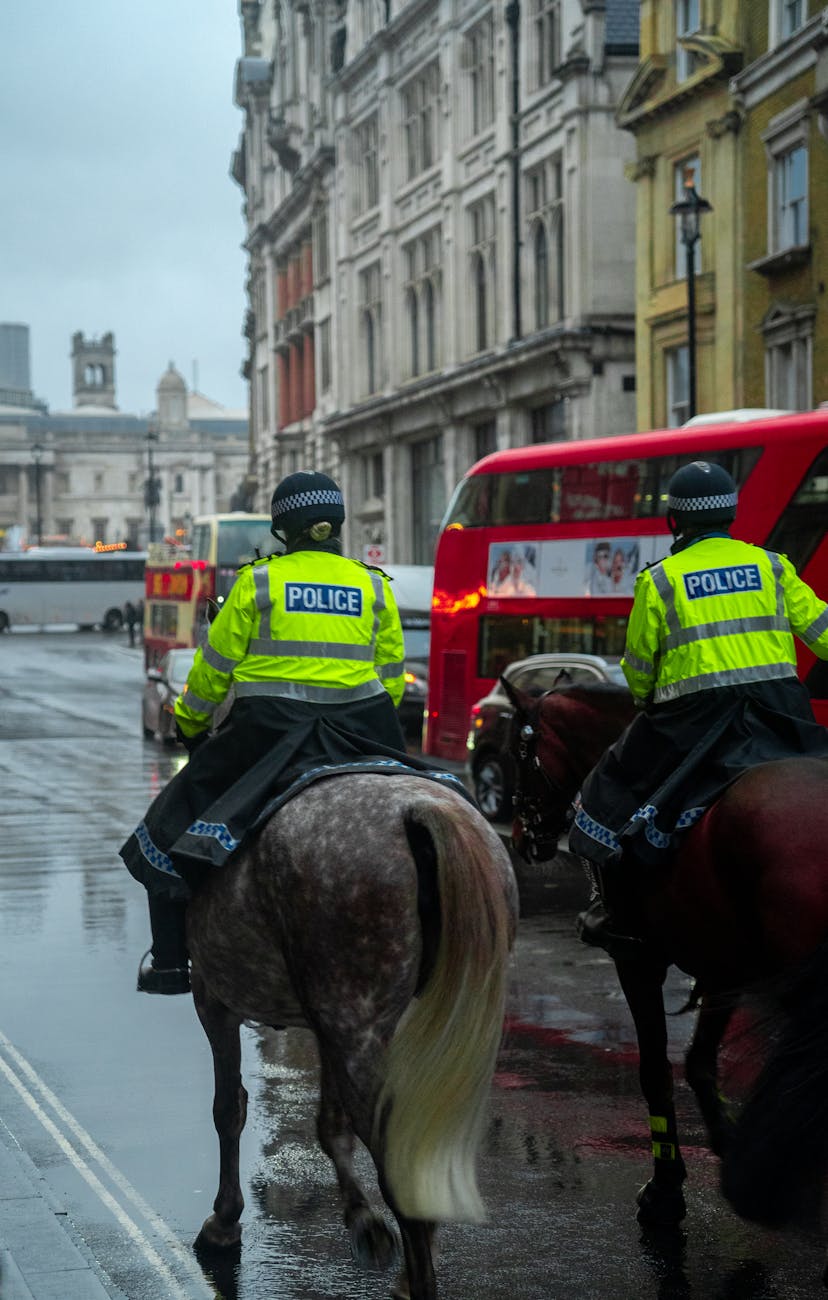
(660, 1207)
(214, 1236)
(373, 1244)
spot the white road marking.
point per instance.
(124, 1187)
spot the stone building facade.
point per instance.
(441, 242)
(80, 477)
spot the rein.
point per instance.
(532, 806)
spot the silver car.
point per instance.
(161, 689)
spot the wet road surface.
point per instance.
(109, 1093)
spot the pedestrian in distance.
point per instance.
(130, 618)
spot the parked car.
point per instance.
(489, 765)
(161, 689)
(412, 586)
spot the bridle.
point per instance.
(533, 807)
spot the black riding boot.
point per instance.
(168, 971)
(607, 922)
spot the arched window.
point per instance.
(480, 300)
(541, 277)
(430, 326)
(413, 330)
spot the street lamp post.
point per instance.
(689, 209)
(37, 452)
(152, 487)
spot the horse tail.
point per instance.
(432, 1104)
(776, 1161)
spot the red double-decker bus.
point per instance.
(180, 581)
(540, 546)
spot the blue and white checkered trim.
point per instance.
(154, 856)
(720, 501)
(596, 831)
(215, 831)
(660, 839)
(315, 497)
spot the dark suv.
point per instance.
(489, 764)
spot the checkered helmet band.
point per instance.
(719, 501)
(301, 500)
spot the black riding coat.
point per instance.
(675, 759)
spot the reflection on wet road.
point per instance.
(113, 1092)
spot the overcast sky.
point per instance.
(117, 211)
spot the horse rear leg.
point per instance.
(372, 1242)
(222, 1230)
(660, 1201)
(701, 1072)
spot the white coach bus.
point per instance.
(89, 588)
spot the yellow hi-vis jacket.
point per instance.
(718, 613)
(310, 625)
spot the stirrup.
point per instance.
(168, 980)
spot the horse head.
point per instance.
(555, 739)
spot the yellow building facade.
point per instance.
(730, 96)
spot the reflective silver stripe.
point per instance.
(638, 665)
(729, 677)
(379, 606)
(779, 578)
(198, 705)
(313, 694)
(817, 628)
(668, 598)
(312, 649)
(390, 670)
(261, 581)
(727, 627)
(220, 662)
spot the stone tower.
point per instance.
(93, 371)
(172, 401)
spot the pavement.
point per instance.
(41, 1255)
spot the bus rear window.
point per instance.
(505, 638)
(801, 526)
(622, 489)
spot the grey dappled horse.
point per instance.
(379, 911)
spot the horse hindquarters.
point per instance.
(776, 1161)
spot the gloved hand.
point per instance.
(191, 743)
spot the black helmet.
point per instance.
(303, 499)
(700, 493)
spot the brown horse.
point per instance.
(379, 911)
(741, 906)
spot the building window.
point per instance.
(789, 348)
(428, 495)
(546, 41)
(790, 199)
(482, 267)
(544, 216)
(325, 355)
(99, 527)
(65, 527)
(420, 112)
(791, 17)
(370, 295)
(678, 386)
(321, 246)
(541, 253)
(549, 421)
(98, 481)
(373, 475)
(178, 485)
(422, 284)
(682, 172)
(485, 439)
(478, 63)
(62, 483)
(687, 24)
(365, 162)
